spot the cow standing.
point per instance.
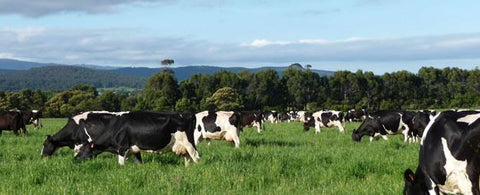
(225, 125)
(385, 123)
(144, 131)
(326, 118)
(355, 115)
(32, 117)
(271, 116)
(449, 156)
(253, 118)
(12, 120)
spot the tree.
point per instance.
(226, 98)
(167, 62)
(161, 92)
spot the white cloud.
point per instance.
(124, 47)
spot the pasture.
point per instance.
(282, 160)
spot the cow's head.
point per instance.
(257, 122)
(87, 151)
(48, 146)
(368, 127)
(310, 122)
(414, 183)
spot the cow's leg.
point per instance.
(340, 126)
(186, 157)
(138, 158)
(15, 132)
(122, 156)
(25, 132)
(405, 136)
(385, 137)
(371, 138)
(317, 127)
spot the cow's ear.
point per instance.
(409, 175)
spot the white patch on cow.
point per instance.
(88, 135)
(34, 111)
(427, 129)
(77, 149)
(301, 116)
(198, 133)
(84, 115)
(227, 131)
(469, 119)
(457, 181)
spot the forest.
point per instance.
(296, 89)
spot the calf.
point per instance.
(252, 118)
(449, 156)
(385, 123)
(324, 119)
(12, 120)
(225, 125)
(144, 131)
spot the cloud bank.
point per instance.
(121, 47)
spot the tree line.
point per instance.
(296, 89)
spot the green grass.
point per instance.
(281, 160)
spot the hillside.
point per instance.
(182, 73)
(64, 77)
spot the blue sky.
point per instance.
(374, 35)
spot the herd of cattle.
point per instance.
(449, 141)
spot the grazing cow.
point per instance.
(78, 131)
(326, 118)
(355, 115)
(271, 116)
(252, 118)
(225, 125)
(282, 117)
(385, 123)
(449, 156)
(145, 131)
(12, 120)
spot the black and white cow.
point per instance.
(225, 125)
(32, 117)
(327, 118)
(419, 123)
(355, 115)
(145, 131)
(252, 118)
(286, 116)
(385, 123)
(12, 120)
(271, 116)
(449, 156)
(303, 116)
(79, 131)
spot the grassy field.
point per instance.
(281, 160)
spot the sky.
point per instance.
(371, 35)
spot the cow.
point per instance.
(385, 123)
(146, 131)
(449, 156)
(32, 117)
(225, 125)
(78, 130)
(355, 115)
(419, 123)
(288, 116)
(271, 116)
(12, 120)
(327, 118)
(252, 118)
(303, 116)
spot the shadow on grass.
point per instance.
(260, 142)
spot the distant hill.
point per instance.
(15, 75)
(182, 73)
(64, 77)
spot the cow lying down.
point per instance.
(449, 158)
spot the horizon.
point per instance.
(368, 35)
